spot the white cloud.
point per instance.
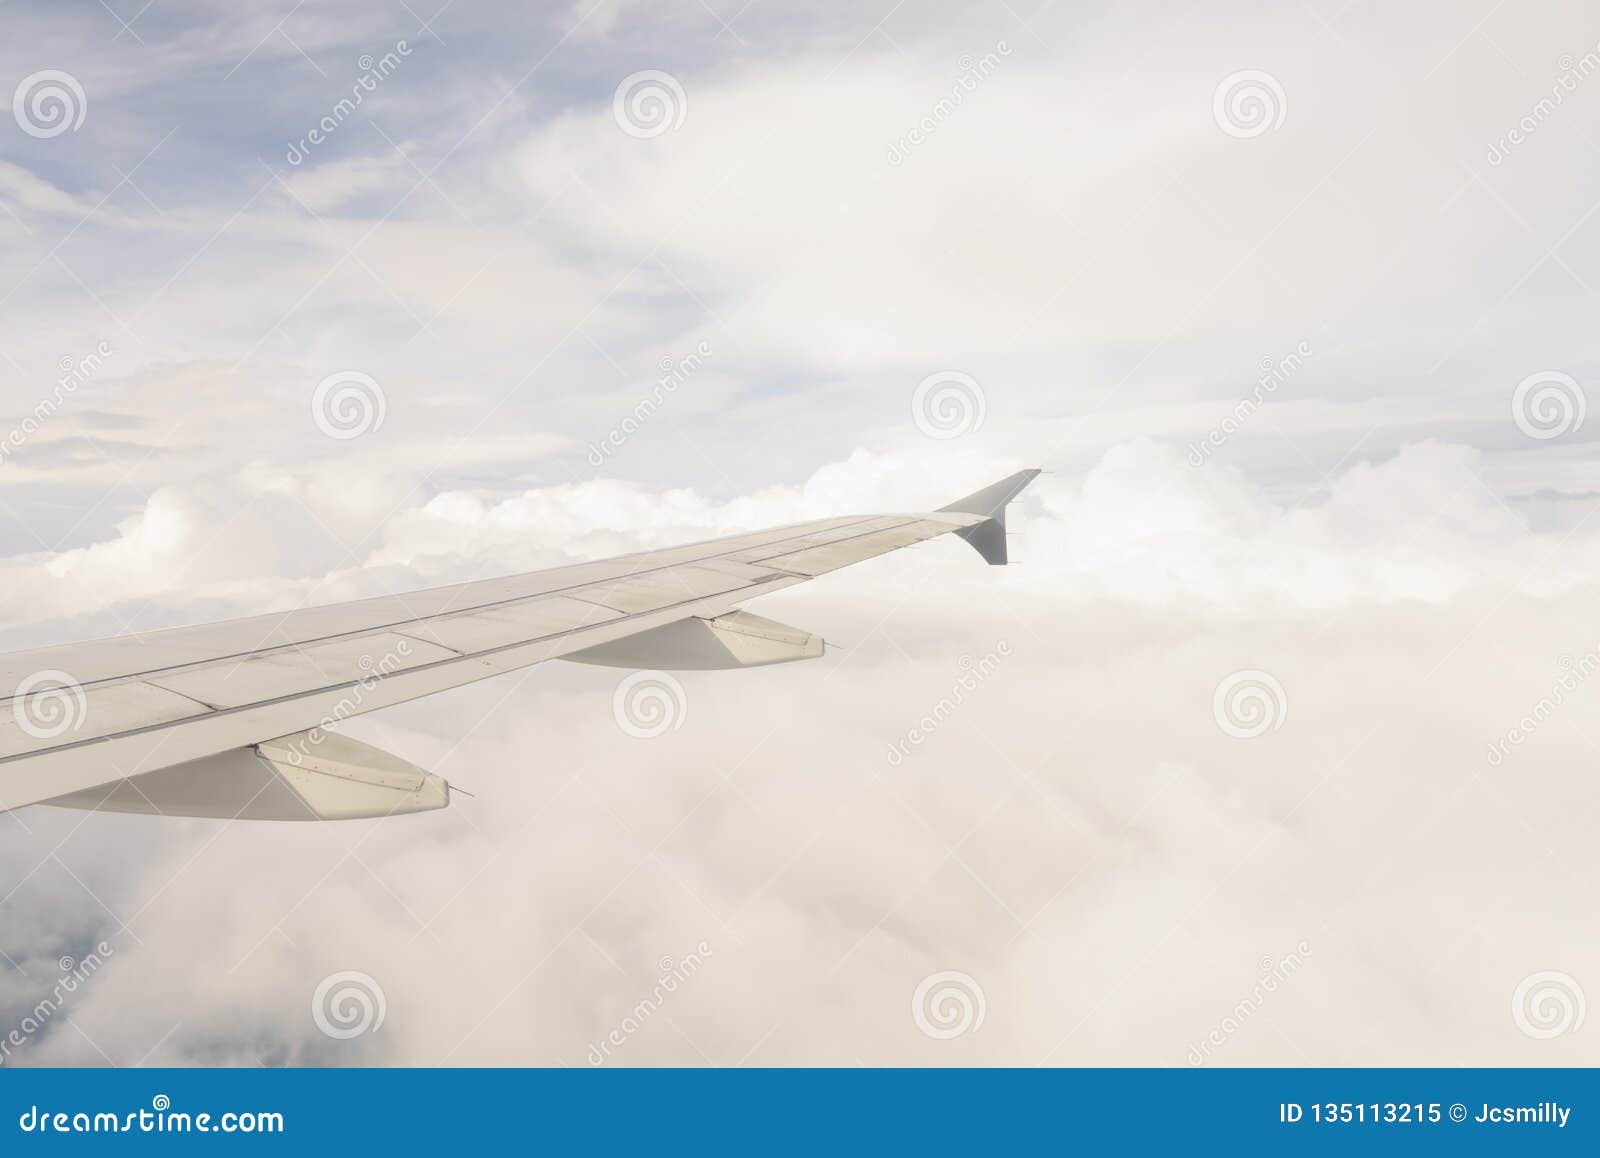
(1153, 866)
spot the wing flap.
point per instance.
(308, 776)
(737, 639)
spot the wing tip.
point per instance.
(988, 538)
(991, 501)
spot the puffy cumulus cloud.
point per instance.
(1016, 774)
(222, 545)
(605, 516)
(1142, 525)
(279, 535)
(1423, 525)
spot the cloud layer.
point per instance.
(1079, 836)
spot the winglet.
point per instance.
(988, 538)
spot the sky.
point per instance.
(1273, 747)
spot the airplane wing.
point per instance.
(230, 719)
